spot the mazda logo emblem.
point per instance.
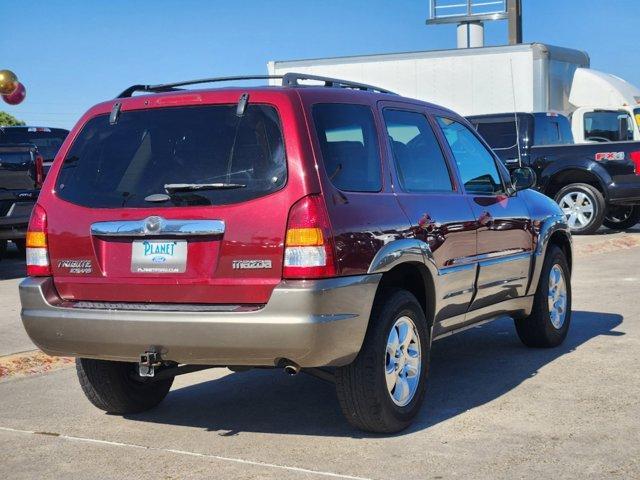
(153, 224)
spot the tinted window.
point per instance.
(602, 126)
(477, 166)
(48, 140)
(146, 150)
(349, 144)
(419, 160)
(552, 129)
(499, 134)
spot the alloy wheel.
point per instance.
(557, 296)
(578, 208)
(403, 361)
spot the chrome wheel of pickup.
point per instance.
(403, 361)
(577, 208)
(557, 296)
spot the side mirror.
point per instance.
(523, 178)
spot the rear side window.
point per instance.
(349, 144)
(499, 134)
(477, 166)
(419, 160)
(220, 157)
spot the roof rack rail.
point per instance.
(293, 80)
(288, 80)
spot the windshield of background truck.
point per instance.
(604, 126)
(165, 151)
(47, 140)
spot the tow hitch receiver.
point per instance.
(148, 363)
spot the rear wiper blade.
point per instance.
(192, 187)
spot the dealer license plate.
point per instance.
(159, 256)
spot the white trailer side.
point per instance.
(470, 81)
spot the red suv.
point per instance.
(334, 227)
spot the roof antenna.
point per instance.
(515, 113)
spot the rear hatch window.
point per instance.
(205, 155)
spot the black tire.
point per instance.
(538, 330)
(622, 217)
(595, 198)
(361, 386)
(3, 249)
(21, 245)
(116, 387)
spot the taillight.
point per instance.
(309, 251)
(37, 249)
(39, 171)
(635, 158)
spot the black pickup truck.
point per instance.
(47, 139)
(21, 176)
(594, 184)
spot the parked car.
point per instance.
(21, 175)
(594, 184)
(335, 228)
(47, 140)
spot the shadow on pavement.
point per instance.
(12, 264)
(467, 370)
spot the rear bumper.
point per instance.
(313, 323)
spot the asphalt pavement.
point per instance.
(494, 408)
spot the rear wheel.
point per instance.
(548, 324)
(622, 217)
(383, 389)
(583, 206)
(3, 249)
(116, 387)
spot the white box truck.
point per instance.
(476, 81)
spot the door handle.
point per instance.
(485, 219)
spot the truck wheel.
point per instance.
(548, 324)
(383, 389)
(622, 217)
(3, 249)
(116, 387)
(583, 206)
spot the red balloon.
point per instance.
(18, 95)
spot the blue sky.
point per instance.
(71, 54)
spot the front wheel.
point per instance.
(383, 389)
(116, 387)
(622, 217)
(548, 324)
(583, 206)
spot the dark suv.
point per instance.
(335, 228)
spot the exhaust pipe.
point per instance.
(290, 368)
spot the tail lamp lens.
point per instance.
(37, 249)
(39, 171)
(309, 244)
(635, 158)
